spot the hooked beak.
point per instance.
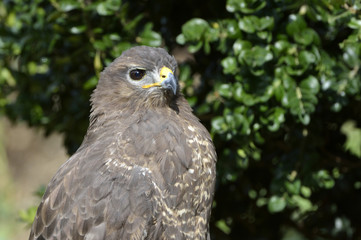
(167, 81)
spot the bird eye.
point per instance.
(137, 74)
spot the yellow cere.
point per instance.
(164, 72)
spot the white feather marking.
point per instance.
(191, 128)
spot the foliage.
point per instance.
(67, 42)
(278, 84)
(291, 82)
(27, 215)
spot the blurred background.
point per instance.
(276, 82)
(28, 160)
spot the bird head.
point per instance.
(142, 76)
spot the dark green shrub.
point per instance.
(290, 87)
(277, 83)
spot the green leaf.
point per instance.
(232, 28)
(252, 194)
(293, 187)
(306, 191)
(194, 29)
(196, 47)
(78, 29)
(278, 89)
(276, 204)
(7, 77)
(90, 83)
(221, 224)
(257, 56)
(98, 66)
(250, 24)
(102, 9)
(355, 23)
(265, 23)
(303, 204)
(261, 202)
(276, 119)
(351, 56)
(28, 215)
(207, 47)
(247, 24)
(108, 7)
(248, 99)
(281, 46)
(306, 37)
(245, 6)
(310, 84)
(133, 23)
(241, 153)
(306, 58)
(225, 90)
(324, 179)
(149, 37)
(240, 46)
(296, 25)
(68, 5)
(301, 99)
(229, 65)
(237, 92)
(40, 191)
(218, 124)
(353, 137)
(119, 48)
(181, 39)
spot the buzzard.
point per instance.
(146, 167)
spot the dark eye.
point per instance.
(137, 74)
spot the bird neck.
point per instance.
(122, 112)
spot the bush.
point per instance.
(276, 82)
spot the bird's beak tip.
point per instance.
(170, 83)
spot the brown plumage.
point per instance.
(146, 167)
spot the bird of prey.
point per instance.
(146, 167)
